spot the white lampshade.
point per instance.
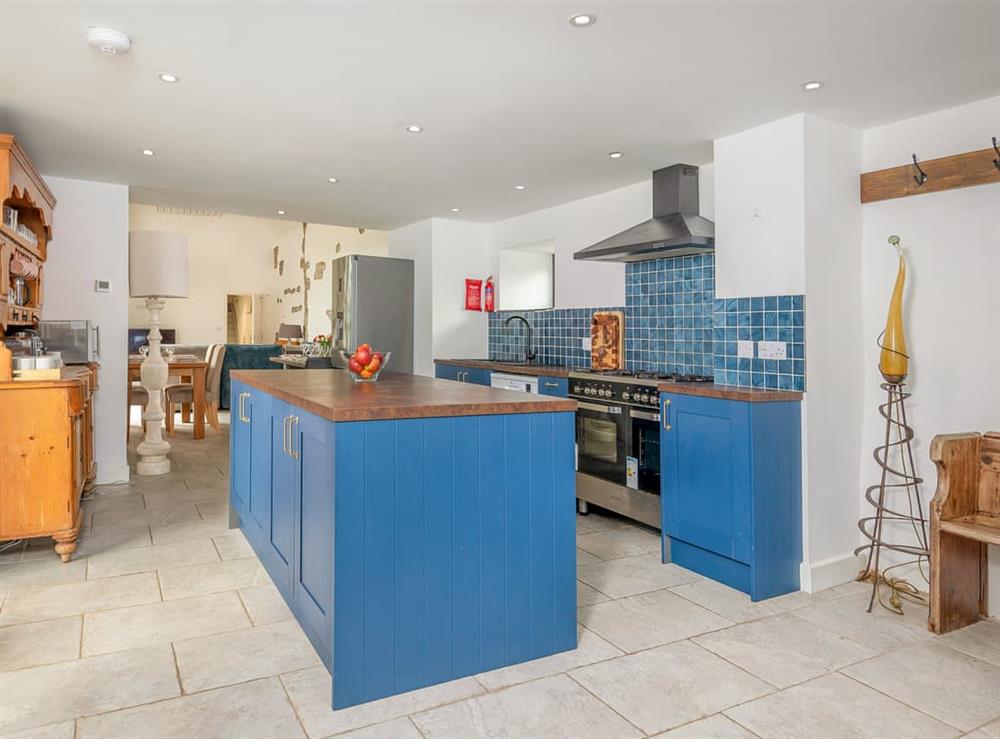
(157, 264)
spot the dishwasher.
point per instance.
(519, 383)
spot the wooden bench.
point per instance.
(965, 518)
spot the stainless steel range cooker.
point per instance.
(618, 440)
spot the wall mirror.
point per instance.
(526, 277)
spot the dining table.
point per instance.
(190, 368)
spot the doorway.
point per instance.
(239, 319)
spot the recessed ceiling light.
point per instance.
(148, 152)
(814, 85)
(413, 128)
(582, 20)
(616, 154)
(331, 179)
(455, 210)
(281, 212)
(168, 77)
(519, 187)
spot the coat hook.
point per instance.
(921, 177)
(996, 162)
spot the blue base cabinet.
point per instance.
(731, 490)
(549, 385)
(475, 375)
(412, 551)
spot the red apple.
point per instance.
(363, 355)
(373, 366)
(354, 365)
(379, 357)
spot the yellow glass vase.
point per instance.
(894, 361)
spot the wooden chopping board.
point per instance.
(607, 340)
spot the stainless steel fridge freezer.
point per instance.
(373, 303)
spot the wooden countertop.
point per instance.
(332, 394)
(729, 392)
(70, 376)
(514, 368)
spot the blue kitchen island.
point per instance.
(420, 530)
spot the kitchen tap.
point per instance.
(529, 354)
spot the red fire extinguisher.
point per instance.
(488, 304)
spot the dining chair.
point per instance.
(137, 395)
(181, 393)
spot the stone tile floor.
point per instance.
(166, 625)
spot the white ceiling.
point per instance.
(276, 97)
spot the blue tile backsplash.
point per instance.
(673, 323)
(772, 318)
(668, 314)
(557, 335)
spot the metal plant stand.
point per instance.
(896, 500)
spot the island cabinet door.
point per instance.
(705, 478)
(239, 448)
(256, 515)
(312, 572)
(279, 535)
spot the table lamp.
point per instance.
(157, 269)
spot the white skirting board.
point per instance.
(108, 473)
(816, 576)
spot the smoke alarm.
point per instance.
(108, 40)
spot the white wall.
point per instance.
(445, 253)
(235, 254)
(416, 242)
(832, 421)
(90, 242)
(461, 250)
(760, 210)
(952, 302)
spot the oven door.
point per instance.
(644, 450)
(601, 440)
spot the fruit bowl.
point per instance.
(367, 370)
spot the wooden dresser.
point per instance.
(24, 244)
(46, 453)
(46, 426)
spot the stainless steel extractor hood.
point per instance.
(675, 230)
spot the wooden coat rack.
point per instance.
(947, 173)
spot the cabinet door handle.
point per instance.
(461, 376)
(284, 433)
(666, 414)
(291, 436)
(551, 384)
(246, 416)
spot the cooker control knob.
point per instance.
(626, 396)
(589, 391)
(576, 389)
(653, 400)
(644, 398)
(606, 393)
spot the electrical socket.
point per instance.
(771, 350)
(585, 343)
(744, 349)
